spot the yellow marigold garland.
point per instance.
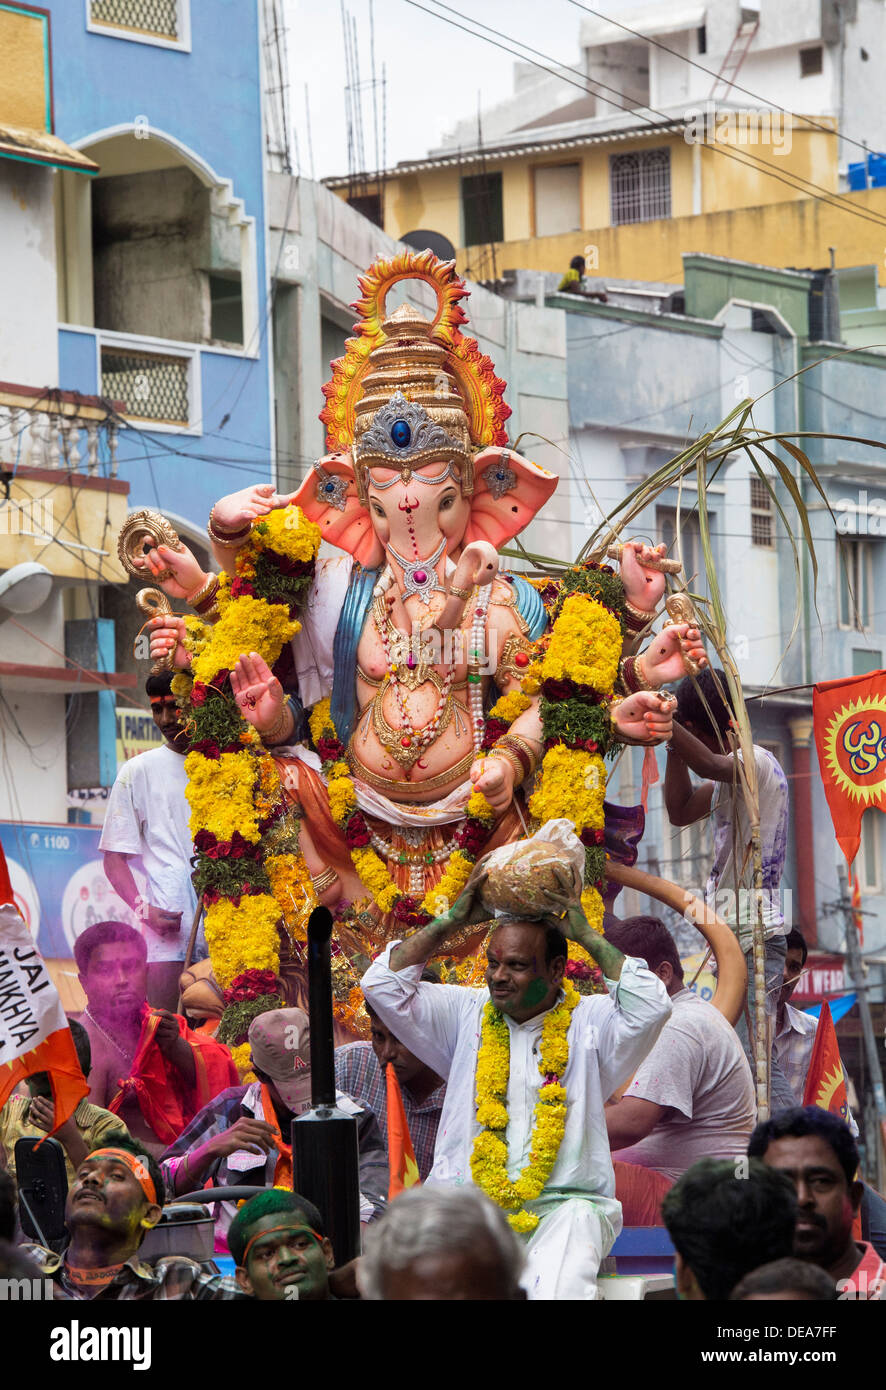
(238, 793)
(585, 645)
(489, 1156)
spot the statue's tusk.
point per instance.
(732, 972)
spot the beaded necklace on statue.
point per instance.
(369, 851)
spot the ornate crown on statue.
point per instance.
(409, 390)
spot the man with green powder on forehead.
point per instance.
(281, 1250)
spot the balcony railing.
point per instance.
(57, 430)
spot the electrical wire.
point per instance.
(800, 185)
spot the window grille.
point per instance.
(156, 17)
(640, 186)
(152, 386)
(762, 516)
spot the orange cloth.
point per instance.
(283, 1170)
(167, 1104)
(401, 1155)
(640, 1191)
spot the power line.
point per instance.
(736, 86)
(799, 184)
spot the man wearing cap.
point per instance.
(242, 1136)
(116, 1198)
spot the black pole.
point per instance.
(320, 1007)
(324, 1140)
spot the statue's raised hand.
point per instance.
(643, 586)
(258, 693)
(647, 717)
(188, 577)
(664, 660)
(241, 508)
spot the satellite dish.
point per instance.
(422, 240)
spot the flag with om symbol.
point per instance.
(850, 736)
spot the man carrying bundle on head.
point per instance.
(529, 1065)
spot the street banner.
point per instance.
(850, 736)
(34, 1032)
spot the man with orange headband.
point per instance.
(146, 826)
(115, 1199)
(281, 1249)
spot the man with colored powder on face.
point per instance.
(147, 1065)
(116, 1198)
(816, 1150)
(572, 1224)
(281, 1249)
(146, 824)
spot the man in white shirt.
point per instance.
(702, 743)
(147, 823)
(693, 1095)
(576, 1217)
(795, 1030)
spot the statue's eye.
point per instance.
(446, 502)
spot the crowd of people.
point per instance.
(650, 1085)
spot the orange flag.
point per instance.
(34, 1032)
(825, 1082)
(401, 1155)
(850, 735)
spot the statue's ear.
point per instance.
(328, 496)
(509, 491)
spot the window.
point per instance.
(640, 186)
(225, 309)
(152, 386)
(557, 194)
(689, 546)
(854, 583)
(702, 36)
(811, 61)
(481, 209)
(369, 206)
(762, 514)
(865, 659)
(162, 22)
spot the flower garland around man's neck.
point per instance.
(248, 868)
(576, 674)
(489, 1156)
(470, 837)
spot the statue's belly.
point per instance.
(408, 768)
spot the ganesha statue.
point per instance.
(405, 716)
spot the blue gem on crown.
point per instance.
(401, 434)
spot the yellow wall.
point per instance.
(793, 233)
(431, 199)
(23, 94)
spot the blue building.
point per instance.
(162, 273)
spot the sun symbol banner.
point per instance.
(850, 736)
